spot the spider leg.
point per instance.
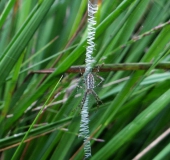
(80, 71)
(81, 79)
(79, 87)
(84, 98)
(101, 80)
(82, 102)
(99, 77)
(96, 97)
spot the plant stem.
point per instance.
(109, 67)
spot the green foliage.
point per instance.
(36, 35)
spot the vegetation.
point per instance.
(36, 36)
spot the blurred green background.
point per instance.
(38, 35)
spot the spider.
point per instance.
(90, 85)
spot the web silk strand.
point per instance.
(84, 124)
(92, 9)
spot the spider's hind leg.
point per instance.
(97, 98)
(84, 99)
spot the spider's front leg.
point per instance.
(101, 80)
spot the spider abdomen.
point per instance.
(90, 81)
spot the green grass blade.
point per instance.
(163, 154)
(15, 156)
(6, 11)
(135, 126)
(15, 49)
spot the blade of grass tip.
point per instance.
(15, 156)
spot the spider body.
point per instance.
(90, 81)
(90, 85)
